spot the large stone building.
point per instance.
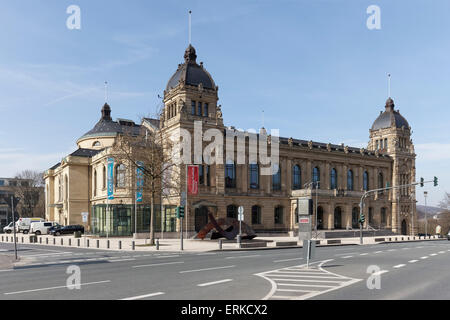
(78, 183)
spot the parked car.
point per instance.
(39, 228)
(57, 231)
(24, 224)
(8, 228)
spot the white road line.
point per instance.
(213, 283)
(162, 257)
(206, 254)
(433, 254)
(53, 288)
(256, 255)
(292, 290)
(292, 276)
(392, 249)
(306, 285)
(158, 264)
(144, 296)
(379, 272)
(413, 261)
(441, 251)
(378, 251)
(306, 280)
(207, 269)
(46, 254)
(363, 254)
(347, 257)
(120, 260)
(399, 266)
(287, 260)
(423, 258)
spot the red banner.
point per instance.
(193, 180)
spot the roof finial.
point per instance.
(389, 85)
(190, 27)
(106, 91)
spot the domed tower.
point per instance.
(391, 134)
(190, 95)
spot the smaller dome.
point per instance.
(390, 118)
(191, 73)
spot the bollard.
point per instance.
(78, 242)
(107, 244)
(40, 240)
(133, 245)
(120, 244)
(46, 240)
(157, 244)
(70, 242)
(98, 244)
(239, 241)
(54, 241)
(220, 244)
(22, 239)
(87, 243)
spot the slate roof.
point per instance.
(191, 73)
(390, 118)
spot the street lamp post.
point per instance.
(14, 226)
(425, 194)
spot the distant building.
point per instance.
(78, 183)
(7, 189)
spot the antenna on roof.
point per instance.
(190, 26)
(389, 85)
(263, 118)
(106, 91)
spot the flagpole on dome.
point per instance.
(190, 27)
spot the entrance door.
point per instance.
(355, 218)
(337, 218)
(201, 218)
(404, 228)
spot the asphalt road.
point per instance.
(415, 270)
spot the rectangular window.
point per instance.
(206, 110)
(377, 146)
(199, 110)
(193, 108)
(201, 175)
(2, 182)
(385, 143)
(278, 217)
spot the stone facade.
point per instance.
(77, 184)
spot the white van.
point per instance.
(39, 228)
(24, 224)
(8, 228)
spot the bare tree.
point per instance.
(30, 190)
(152, 154)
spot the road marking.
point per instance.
(119, 260)
(347, 257)
(7, 270)
(288, 260)
(144, 296)
(162, 257)
(392, 250)
(207, 269)
(379, 273)
(433, 254)
(306, 280)
(363, 254)
(423, 258)
(441, 251)
(206, 254)
(256, 255)
(378, 251)
(158, 264)
(53, 288)
(213, 283)
(46, 254)
(413, 261)
(399, 266)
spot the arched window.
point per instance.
(380, 182)
(278, 215)
(296, 178)
(254, 176)
(232, 211)
(256, 215)
(316, 177)
(104, 177)
(333, 179)
(350, 180)
(206, 110)
(96, 144)
(120, 175)
(230, 175)
(370, 215)
(95, 183)
(366, 181)
(383, 217)
(276, 177)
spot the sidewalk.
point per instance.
(126, 244)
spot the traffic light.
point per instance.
(362, 218)
(435, 181)
(180, 212)
(422, 180)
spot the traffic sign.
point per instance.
(303, 220)
(241, 210)
(241, 217)
(85, 216)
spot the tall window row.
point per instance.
(199, 108)
(278, 214)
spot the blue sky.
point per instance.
(313, 66)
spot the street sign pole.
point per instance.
(181, 232)
(14, 226)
